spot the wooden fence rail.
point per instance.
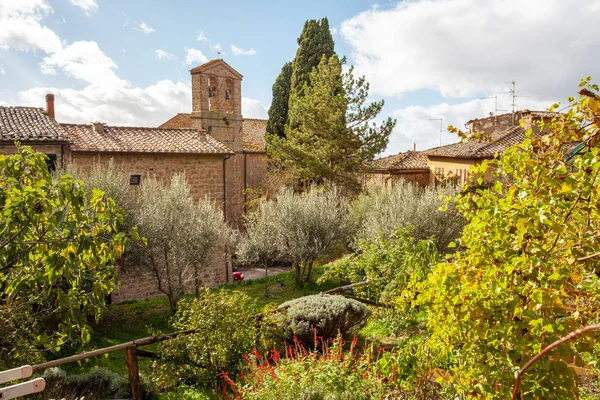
(132, 351)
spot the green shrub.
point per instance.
(323, 316)
(385, 210)
(226, 331)
(98, 383)
(332, 373)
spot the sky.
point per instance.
(127, 62)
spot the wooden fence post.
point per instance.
(134, 375)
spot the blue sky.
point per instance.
(127, 62)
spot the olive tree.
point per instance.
(183, 237)
(303, 227)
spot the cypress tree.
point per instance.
(278, 112)
(314, 42)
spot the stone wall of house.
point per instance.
(61, 151)
(420, 178)
(493, 124)
(204, 173)
(140, 284)
(256, 173)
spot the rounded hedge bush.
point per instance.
(324, 316)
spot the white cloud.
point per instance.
(252, 108)
(2, 71)
(415, 125)
(89, 6)
(163, 55)
(195, 55)
(21, 27)
(202, 37)
(116, 105)
(217, 48)
(466, 47)
(85, 61)
(238, 51)
(144, 27)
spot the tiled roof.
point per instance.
(28, 124)
(254, 135)
(142, 140)
(206, 65)
(480, 148)
(520, 113)
(180, 121)
(400, 162)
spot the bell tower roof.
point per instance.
(208, 67)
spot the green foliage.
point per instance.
(333, 373)
(329, 135)
(314, 42)
(324, 316)
(392, 265)
(297, 228)
(98, 383)
(519, 285)
(58, 251)
(278, 111)
(226, 331)
(424, 210)
(183, 237)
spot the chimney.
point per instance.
(50, 106)
(414, 147)
(98, 127)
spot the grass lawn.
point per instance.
(125, 322)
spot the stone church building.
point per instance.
(221, 153)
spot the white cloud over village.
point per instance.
(88, 6)
(195, 56)
(144, 27)
(164, 55)
(21, 26)
(106, 97)
(238, 51)
(471, 48)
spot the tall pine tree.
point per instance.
(330, 133)
(314, 42)
(278, 112)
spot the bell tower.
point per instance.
(217, 102)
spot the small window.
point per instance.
(51, 162)
(227, 94)
(135, 179)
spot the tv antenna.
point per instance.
(441, 126)
(496, 109)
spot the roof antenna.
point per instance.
(441, 126)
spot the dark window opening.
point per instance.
(51, 162)
(135, 179)
(227, 94)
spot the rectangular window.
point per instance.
(135, 179)
(51, 162)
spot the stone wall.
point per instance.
(140, 284)
(61, 151)
(420, 178)
(204, 173)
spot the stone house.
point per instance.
(409, 166)
(221, 153)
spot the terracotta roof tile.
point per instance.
(254, 135)
(400, 162)
(499, 142)
(143, 140)
(28, 124)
